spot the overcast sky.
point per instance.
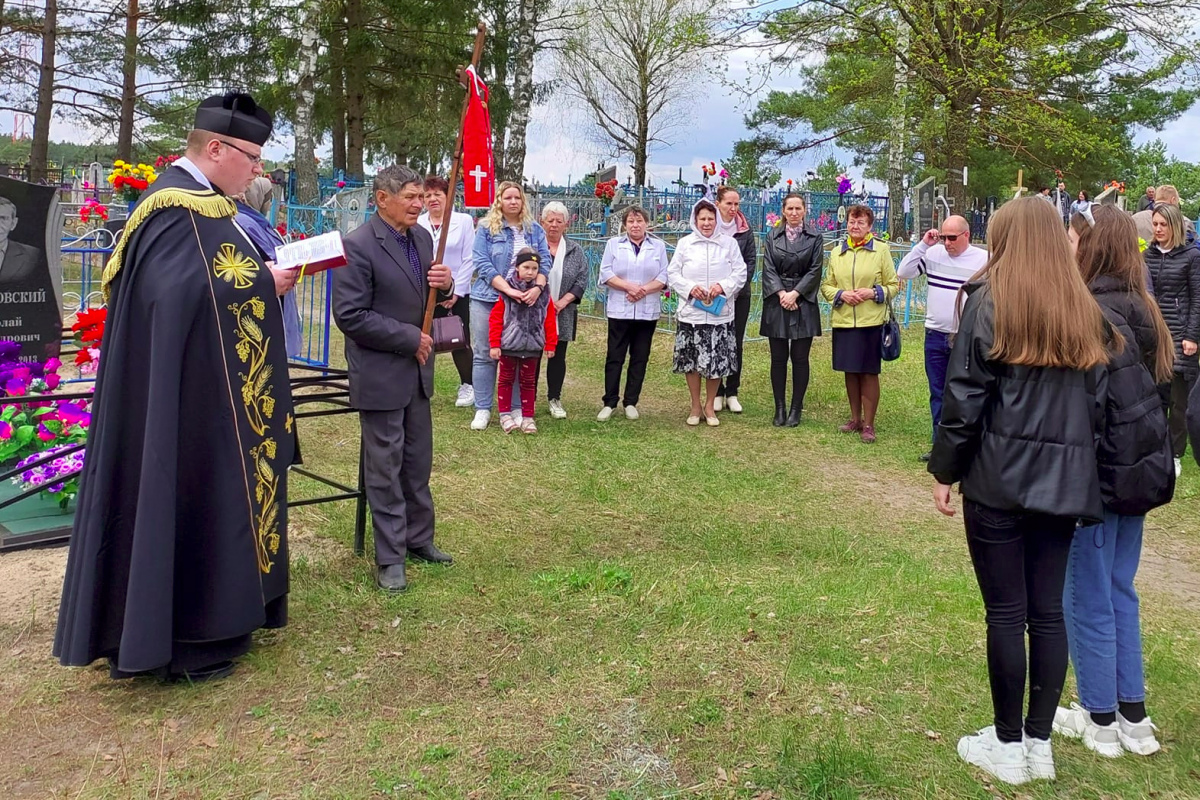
(715, 113)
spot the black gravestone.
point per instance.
(29, 300)
(925, 200)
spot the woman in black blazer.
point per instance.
(790, 315)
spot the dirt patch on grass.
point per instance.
(30, 584)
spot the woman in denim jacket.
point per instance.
(506, 229)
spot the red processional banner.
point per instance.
(478, 164)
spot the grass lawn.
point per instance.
(638, 610)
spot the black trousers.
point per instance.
(462, 357)
(797, 351)
(1177, 413)
(1020, 562)
(633, 337)
(741, 315)
(556, 372)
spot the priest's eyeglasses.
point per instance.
(254, 160)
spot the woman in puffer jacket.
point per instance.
(1134, 456)
(706, 273)
(1021, 416)
(1175, 274)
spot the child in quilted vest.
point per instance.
(518, 334)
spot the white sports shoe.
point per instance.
(1039, 759)
(718, 403)
(466, 396)
(732, 404)
(631, 412)
(1004, 760)
(482, 418)
(604, 414)
(556, 409)
(1137, 737)
(1178, 467)
(1076, 723)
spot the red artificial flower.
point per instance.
(83, 357)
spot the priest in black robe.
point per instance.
(179, 550)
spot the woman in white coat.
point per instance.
(706, 273)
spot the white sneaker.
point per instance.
(556, 409)
(631, 412)
(1039, 758)
(482, 418)
(466, 396)
(1003, 760)
(1076, 723)
(604, 414)
(718, 403)
(733, 405)
(1137, 737)
(1178, 467)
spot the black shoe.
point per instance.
(780, 415)
(213, 672)
(793, 417)
(391, 578)
(924, 457)
(429, 553)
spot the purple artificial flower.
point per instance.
(6, 431)
(52, 381)
(45, 434)
(52, 365)
(9, 351)
(23, 374)
(14, 388)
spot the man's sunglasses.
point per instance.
(949, 237)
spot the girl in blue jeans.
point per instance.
(1100, 605)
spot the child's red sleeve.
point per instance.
(496, 323)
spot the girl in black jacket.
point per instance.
(1174, 267)
(1022, 409)
(1136, 475)
(790, 314)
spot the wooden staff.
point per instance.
(431, 302)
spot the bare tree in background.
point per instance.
(636, 66)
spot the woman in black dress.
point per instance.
(790, 315)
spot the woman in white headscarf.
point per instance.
(567, 282)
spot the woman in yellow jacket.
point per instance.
(860, 284)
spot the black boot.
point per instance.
(780, 414)
(793, 417)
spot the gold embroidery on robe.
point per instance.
(232, 265)
(266, 489)
(251, 348)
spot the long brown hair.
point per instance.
(1111, 248)
(1044, 314)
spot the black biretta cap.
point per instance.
(235, 114)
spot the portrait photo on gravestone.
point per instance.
(29, 291)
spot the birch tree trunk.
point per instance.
(898, 141)
(522, 93)
(307, 190)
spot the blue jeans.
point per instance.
(483, 369)
(937, 361)
(1101, 611)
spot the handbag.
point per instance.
(889, 346)
(448, 334)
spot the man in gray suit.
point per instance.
(379, 304)
(18, 261)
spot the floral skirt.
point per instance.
(710, 350)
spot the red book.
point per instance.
(313, 255)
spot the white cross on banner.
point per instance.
(478, 174)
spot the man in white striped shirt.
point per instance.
(947, 259)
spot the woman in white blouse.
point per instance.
(634, 270)
(459, 245)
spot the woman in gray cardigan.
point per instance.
(567, 283)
